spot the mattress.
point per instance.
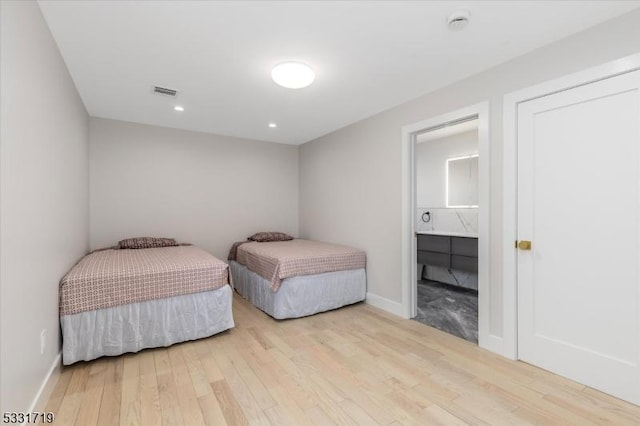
(108, 278)
(301, 295)
(148, 324)
(278, 260)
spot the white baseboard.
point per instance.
(494, 344)
(46, 388)
(385, 304)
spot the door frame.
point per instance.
(409, 249)
(510, 179)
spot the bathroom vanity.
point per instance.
(450, 251)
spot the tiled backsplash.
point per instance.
(455, 221)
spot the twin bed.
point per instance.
(296, 278)
(124, 300)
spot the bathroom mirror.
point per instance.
(462, 182)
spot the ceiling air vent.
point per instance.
(164, 91)
(458, 20)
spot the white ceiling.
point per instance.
(368, 56)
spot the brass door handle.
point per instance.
(523, 245)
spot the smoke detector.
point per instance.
(458, 20)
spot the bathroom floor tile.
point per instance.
(448, 308)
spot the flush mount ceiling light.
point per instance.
(273, 125)
(293, 75)
(458, 20)
(178, 108)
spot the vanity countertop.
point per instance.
(451, 234)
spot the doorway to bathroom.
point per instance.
(446, 223)
(446, 161)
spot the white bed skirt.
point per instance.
(301, 295)
(150, 324)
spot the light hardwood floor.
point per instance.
(356, 365)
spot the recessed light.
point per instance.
(178, 108)
(273, 125)
(293, 75)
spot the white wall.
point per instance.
(196, 187)
(431, 158)
(351, 179)
(44, 194)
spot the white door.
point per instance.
(579, 205)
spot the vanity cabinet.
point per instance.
(448, 251)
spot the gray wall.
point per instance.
(196, 187)
(44, 196)
(350, 180)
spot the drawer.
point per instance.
(464, 246)
(464, 263)
(433, 258)
(439, 243)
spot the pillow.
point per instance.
(263, 237)
(146, 242)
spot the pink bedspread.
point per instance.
(278, 260)
(109, 278)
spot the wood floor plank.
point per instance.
(318, 416)
(74, 395)
(130, 403)
(199, 379)
(258, 334)
(228, 362)
(79, 379)
(57, 396)
(150, 412)
(352, 366)
(211, 410)
(172, 416)
(348, 386)
(111, 396)
(287, 405)
(162, 361)
(187, 397)
(530, 404)
(609, 403)
(255, 386)
(167, 391)
(356, 413)
(295, 383)
(211, 369)
(90, 409)
(435, 415)
(278, 416)
(231, 409)
(69, 409)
